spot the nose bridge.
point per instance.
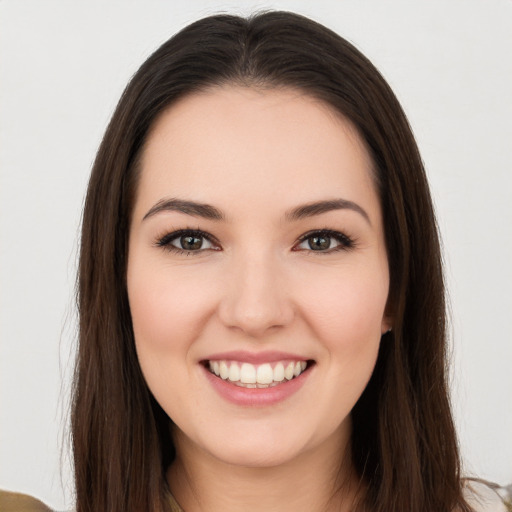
(255, 297)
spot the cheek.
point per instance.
(167, 313)
(345, 314)
(348, 306)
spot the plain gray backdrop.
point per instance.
(63, 66)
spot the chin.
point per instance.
(252, 455)
(266, 444)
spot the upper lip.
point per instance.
(243, 356)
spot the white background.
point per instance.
(63, 65)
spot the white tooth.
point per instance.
(234, 372)
(250, 386)
(215, 367)
(261, 386)
(288, 372)
(264, 375)
(279, 372)
(303, 365)
(224, 370)
(248, 374)
(297, 370)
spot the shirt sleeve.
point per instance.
(16, 502)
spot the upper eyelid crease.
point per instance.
(164, 239)
(164, 242)
(346, 241)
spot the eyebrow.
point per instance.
(210, 212)
(188, 207)
(319, 207)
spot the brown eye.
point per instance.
(187, 241)
(324, 241)
(191, 243)
(319, 243)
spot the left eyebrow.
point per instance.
(319, 207)
(192, 208)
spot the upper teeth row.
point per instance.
(263, 374)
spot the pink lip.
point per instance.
(255, 397)
(255, 357)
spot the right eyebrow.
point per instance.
(319, 207)
(192, 208)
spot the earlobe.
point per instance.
(388, 318)
(387, 325)
(385, 330)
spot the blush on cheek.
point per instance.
(351, 312)
(167, 314)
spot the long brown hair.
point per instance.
(403, 444)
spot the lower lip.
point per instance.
(256, 397)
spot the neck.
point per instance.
(313, 481)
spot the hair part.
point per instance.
(403, 444)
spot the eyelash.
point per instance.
(345, 242)
(165, 241)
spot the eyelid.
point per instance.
(345, 242)
(164, 241)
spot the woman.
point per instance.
(262, 316)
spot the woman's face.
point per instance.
(257, 253)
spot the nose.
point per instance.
(256, 300)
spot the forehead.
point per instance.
(273, 145)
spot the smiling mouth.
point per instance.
(260, 376)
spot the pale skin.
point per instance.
(265, 274)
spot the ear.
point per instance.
(388, 320)
(387, 325)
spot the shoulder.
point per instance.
(17, 502)
(483, 496)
